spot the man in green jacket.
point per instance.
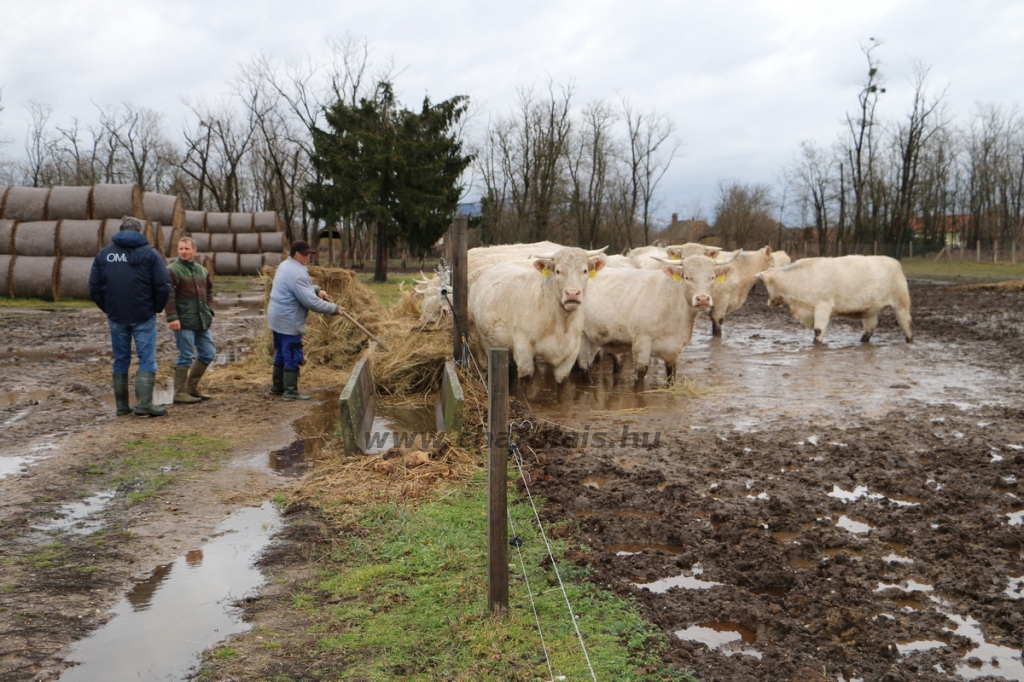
(189, 314)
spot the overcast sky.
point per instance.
(744, 81)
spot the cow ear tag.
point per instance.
(676, 278)
(593, 274)
(720, 278)
(545, 272)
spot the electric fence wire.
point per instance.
(517, 457)
(529, 590)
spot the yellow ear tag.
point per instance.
(676, 278)
(593, 274)
(720, 278)
(545, 272)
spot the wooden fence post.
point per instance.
(995, 252)
(977, 250)
(497, 481)
(460, 282)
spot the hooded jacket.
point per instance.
(129, 281)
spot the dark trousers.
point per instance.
(288, 351)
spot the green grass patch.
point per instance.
(235, 283)
(407, 599)
(225, 652)
(40, 304)
(390, 292)
(49, 556)
(149, 466)
(964, 272)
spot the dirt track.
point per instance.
(819, 522)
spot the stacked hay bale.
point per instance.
(49, 236)
(237, 243)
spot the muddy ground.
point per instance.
(846, 512)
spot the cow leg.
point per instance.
(670, 372)
(563, 368)
(869, 323)
(822, 313)
(641, 355)
(716, 326)
(903, 318)
(523, 356)
(616, 363)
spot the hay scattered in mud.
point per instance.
(410, 361)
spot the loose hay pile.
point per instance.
(411, 364)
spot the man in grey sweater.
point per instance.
(292, 296)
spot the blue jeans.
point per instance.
(192, 341)
(288, 351)
(121, 336)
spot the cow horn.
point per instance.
(596, 252)
(726, 262)
(543, 256)
(668, 261)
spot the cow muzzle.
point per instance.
(702, 302)
(572, 299)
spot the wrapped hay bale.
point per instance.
(265, 221)
(3, 198)
(248, 243)
(7, 230)
(222, 242)
(206, 260)
(73, 277)
(34, 277)
(225, 263)
(6, 261)
(165, 209)
(250, 263)
(79, 238)
(153, 232)
(195, 222)
(38, 238)
(240, 223)
(116, 201)
(172, 235)
(218, 223)
(202, 240)
(272, 242)
(70, 203)
(273, 258)
(26, 204)
(111, 226)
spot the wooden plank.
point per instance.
(460, 282)
(356, 405)
(450, 403)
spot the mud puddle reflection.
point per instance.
(756, 375)
(164, 623)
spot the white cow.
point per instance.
(534, 312)
(647, 311)
(780, 259)
(730, 291)
(618, 261)
(645, 257)
(681, 251)
(434, 310)
(858, 287)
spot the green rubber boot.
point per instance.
(277, 388)
(144, 406)
(195, 373)
(291, 385)
(181, 394)
(121, 395)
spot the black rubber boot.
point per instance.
(121, 395)
(195, 373)
(277, 388)
(144, 406)
(291, 385)
(181, 394)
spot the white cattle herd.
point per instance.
(566, 306)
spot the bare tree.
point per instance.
(590, 157)
(137, 149)
(860, 151)
(651, 151)
(743, 214)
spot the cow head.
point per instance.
(768, 277)
(696, 274)
(681, 251)
(567, 271)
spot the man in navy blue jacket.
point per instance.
(129, 282)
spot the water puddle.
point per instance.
(861, 491)
(735, 383)
(24, 397)
(853, 525)
(726, 638)
(985, 658)
(80, 518)
(403, 427)
(905, 586)
(1016, 518)
(12, 465)
(160, 628)
(911, 646)
(1015, 589)
(686, 581)
(241, 304)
